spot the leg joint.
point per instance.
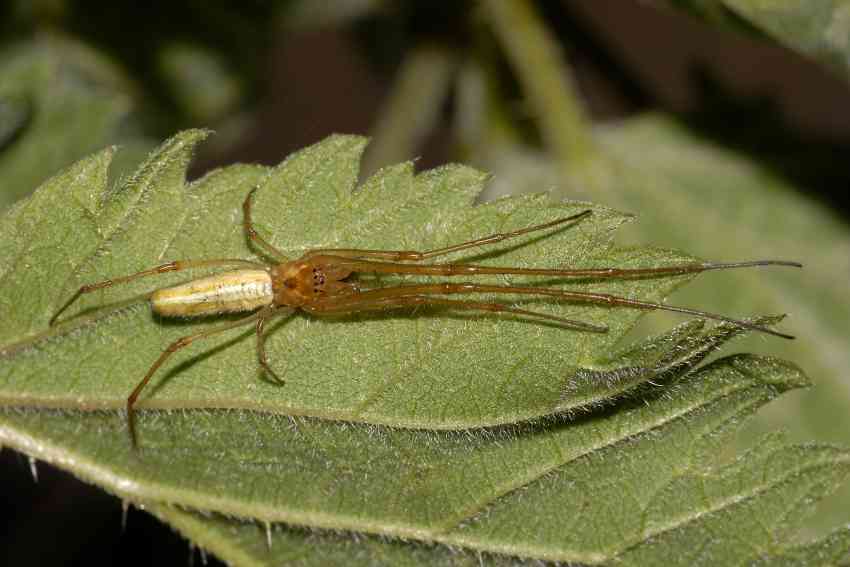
(180, 343)
(91, 287)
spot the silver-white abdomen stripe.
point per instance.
(240, 290)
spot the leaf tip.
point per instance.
(781, 374)
(458, 177)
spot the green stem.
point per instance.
(412, 108)
(548, 83)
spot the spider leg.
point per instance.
(161, 269)
(180, 343)
(501, 308)
(367, 266)
(415, 256)
(253, 235)
(417, 300)
(575, 296)
(265, 315)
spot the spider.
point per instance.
(319, 283)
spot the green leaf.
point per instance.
(594, 487)
(728, 206)
(244, 543)
(828, 550)
(58, 102)
(817, 28)
(247, 544)
(203, 86)
(725, 205)
(513, 490)
(430, 369)
(737, 208)
(303, 14)
(33, 237)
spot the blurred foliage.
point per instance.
(817, 28)
(59, 101)
(189, 60)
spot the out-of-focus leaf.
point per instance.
(306, 14)
(734, 208)
(58, 102)
(411, 109)
(817, 28)
(200, 82)
(169, 49)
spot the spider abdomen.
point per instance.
(228, 292)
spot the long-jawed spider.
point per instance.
(318, 283)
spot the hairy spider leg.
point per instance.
(406, 292)
(417, 300)
(252, 233)
(472, 269)
(415, 256)
(185, 264)
(261, 340)
(162, 269)
(261, 315)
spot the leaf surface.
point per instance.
(738, 208)
(627, 469)
(728, 206)
(584, 490)
(246, 543)
(430, 369)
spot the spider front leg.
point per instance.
(416, 256)
(253, 235)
